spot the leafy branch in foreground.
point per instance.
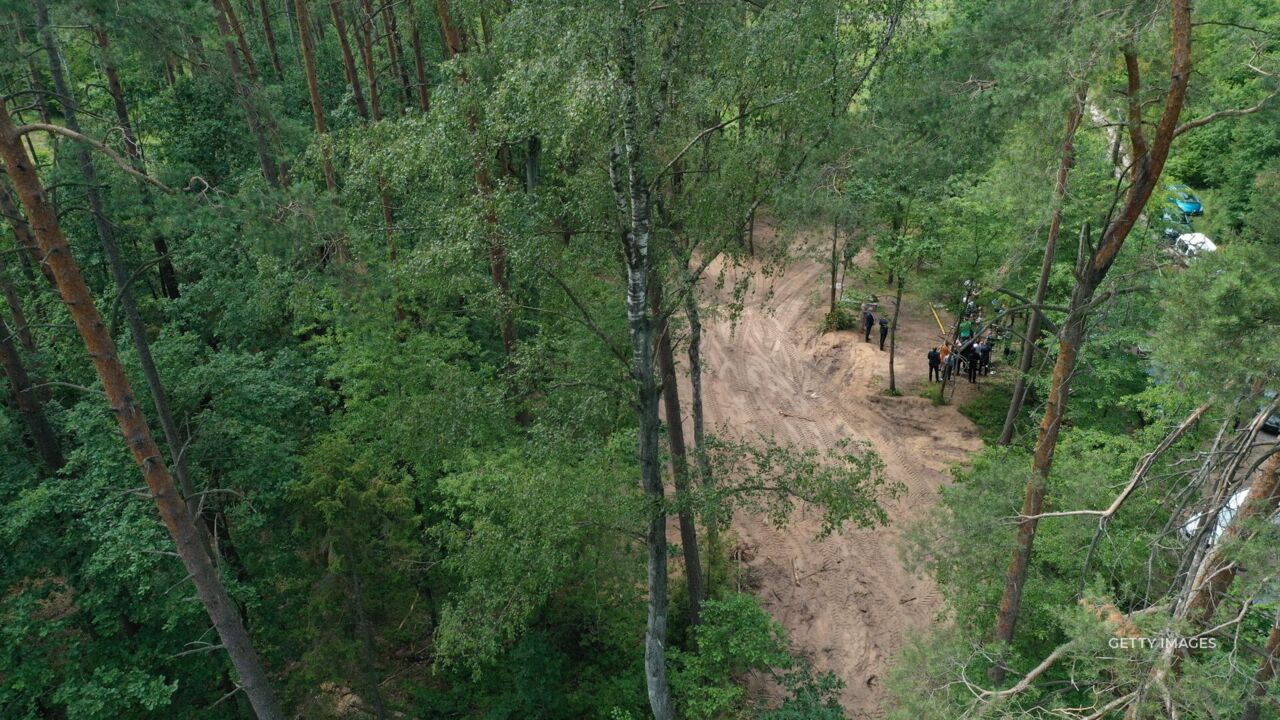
(765, 477)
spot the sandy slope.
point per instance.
(854, 601)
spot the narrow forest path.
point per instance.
(847, 602)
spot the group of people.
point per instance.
(972, 353)
(973, 357)
(869, 322)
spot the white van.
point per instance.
(1192, 244)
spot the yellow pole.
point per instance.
(937, 319)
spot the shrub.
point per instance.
(842, 318)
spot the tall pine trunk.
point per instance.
(21, 329)
(348, 60)
(168, 278)
(419, 61)
(1092, 266)
(365, 40)
(29, 253)
(270, 36)
(694, 581)
(28, 402)
(1074, 114)
(313, 91)
(712, 523)
(393, 50)
(115, 263)
(234, 21)
(133, 426)
(270, 170)
(364, 36)
(455, 46)
(41, 93)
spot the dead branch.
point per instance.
(1139, 472)
(1108, 612)
(119, 161)
(1030, 677)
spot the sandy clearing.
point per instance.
(855, 602)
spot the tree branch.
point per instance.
(1030, 677)
(1139, 472)
(1048, 324)
(1233, 112)
(121, 162)
(589, 322)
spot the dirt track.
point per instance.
(776, 374)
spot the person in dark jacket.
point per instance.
(970, 363)
(984, 356)
(935, 365)
(868, 322)
(884, 330)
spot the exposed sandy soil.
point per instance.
(775, 373)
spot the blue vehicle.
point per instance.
(1272, 423)
(1185, 200)
(1171, 224)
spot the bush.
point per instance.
(842, 318)
(736, 637)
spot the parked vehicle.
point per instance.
(1189, 245)
(1170, 223)
(1271, 424)
(1182, 198)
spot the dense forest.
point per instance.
(650, 358)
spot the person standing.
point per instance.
(984, 356)
(935, 365)
(970, 362)
(884, 331)
(868, 322)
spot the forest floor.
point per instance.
(847, 602)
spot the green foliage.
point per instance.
(195, 128)
(844, 317)
(847, 483)
(1236, 306)
(526, 525)
(737, 637)
(405, 509)
(988, 408)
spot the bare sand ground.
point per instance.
(846, 602)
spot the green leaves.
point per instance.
(110, 692)
(845, 483)
(1218, 330)
(737, 638)
(528, 524)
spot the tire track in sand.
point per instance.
(854, 603)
